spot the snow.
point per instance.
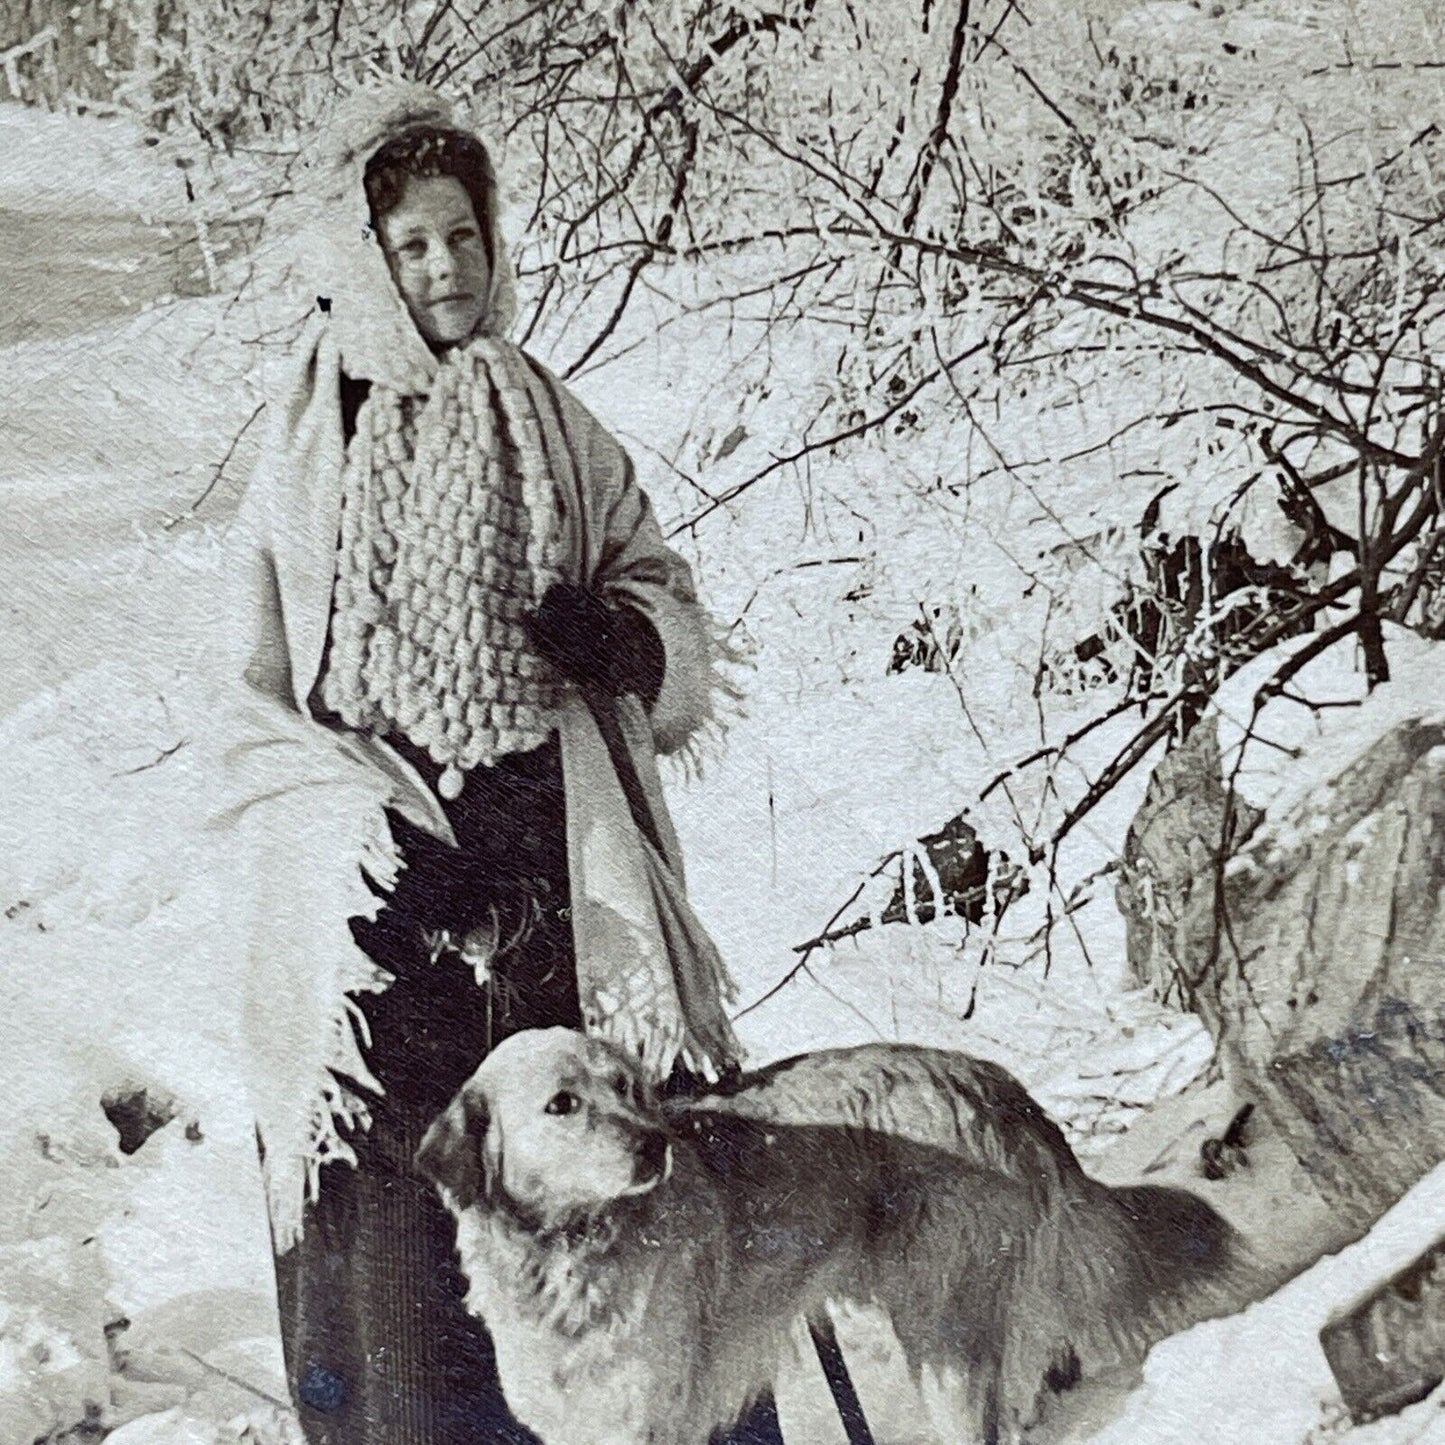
(1261, 1375)
(1295, 745)
(109, 895)
(107, 170)
(53, 1368)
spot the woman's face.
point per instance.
(438, 257)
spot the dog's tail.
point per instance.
(1111, 1273)
(1150, 1261)
(1191, 1263)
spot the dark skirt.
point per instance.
(380, 1349)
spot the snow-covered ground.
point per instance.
(111, 433)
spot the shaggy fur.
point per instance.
(639, 1266)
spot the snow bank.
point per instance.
(107, 168)
(1328, 717)
(1261, 1375)
(109, 898)
(54, 1366)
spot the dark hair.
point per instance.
(425, 151)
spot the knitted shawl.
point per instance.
(448, 540)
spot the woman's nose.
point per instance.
(441, 263)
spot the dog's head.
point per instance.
(554, 1127)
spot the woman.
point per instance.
(451, 571)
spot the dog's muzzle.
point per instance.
(652, 1155)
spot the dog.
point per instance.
(640, 1263)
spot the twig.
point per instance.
(808, 949)
(216, 476)
(235, 1380)
(155, 762)
(933, 146)
(1079, 733)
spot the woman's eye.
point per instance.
(414, 250)
(563, 1103)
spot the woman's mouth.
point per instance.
(447, 319)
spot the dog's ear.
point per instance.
(452, 1152)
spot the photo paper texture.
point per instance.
(721, 722)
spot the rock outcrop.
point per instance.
(1309, 934)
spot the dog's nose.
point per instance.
(652, 1155)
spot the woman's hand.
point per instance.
(611, 650)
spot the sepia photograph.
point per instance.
(722, 722)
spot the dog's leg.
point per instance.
(961, 1404)
(956, 1351)
(988, 1426)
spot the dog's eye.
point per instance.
(623, 1085)
(563, 1103)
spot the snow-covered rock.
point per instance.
(1303, 924)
